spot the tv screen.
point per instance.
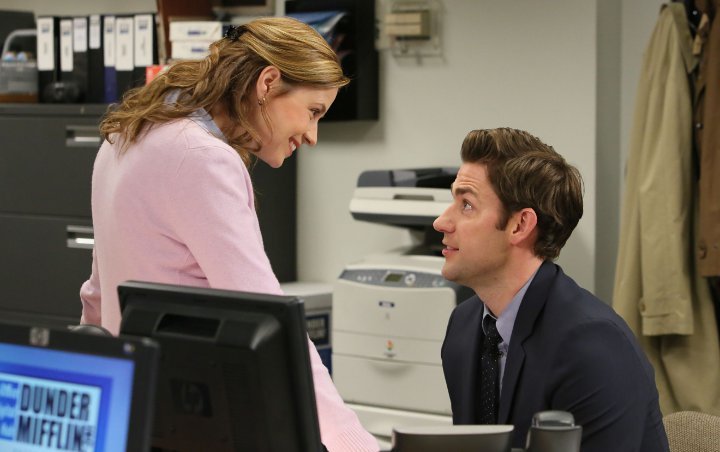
(62, 390)
(235, 368)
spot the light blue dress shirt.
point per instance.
(505, 323)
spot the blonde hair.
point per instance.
(227, 76)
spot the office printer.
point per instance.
(390, 310)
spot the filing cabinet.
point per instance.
(46, 159)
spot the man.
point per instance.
(532, 339)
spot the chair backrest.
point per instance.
(690, 431)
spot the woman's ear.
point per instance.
(268, 77)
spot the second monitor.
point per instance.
(234, 372)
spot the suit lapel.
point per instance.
(460, 354)
(531, 306)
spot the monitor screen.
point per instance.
(457, 438)
(70, 391)
(235, 369)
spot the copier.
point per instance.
(390, 310)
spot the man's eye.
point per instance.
(466, 205)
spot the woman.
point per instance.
(172, 199)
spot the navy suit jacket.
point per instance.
(569, 351)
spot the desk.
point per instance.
(388, 449)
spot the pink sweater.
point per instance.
(178, 208)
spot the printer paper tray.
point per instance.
(396, 385)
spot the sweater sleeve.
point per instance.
(90, 297)
(340, 427)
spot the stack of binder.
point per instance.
(190, 40)
(94, 59)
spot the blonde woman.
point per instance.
(172, 200)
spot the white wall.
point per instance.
(548, 67)
(607, 183)
(520, 63)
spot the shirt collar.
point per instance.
(506, 320)
(200, 116)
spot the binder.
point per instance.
(145, 47)
(124, 53)
(79, 73)
(190, 50)
(196, 30)
(66, 49)
(110, 93)
(95, 61)
(48, 52)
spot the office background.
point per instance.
(565, 70)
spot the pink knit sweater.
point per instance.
(178, 208)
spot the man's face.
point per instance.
(475, 250)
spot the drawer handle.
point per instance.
(80, 237)
(82, 136)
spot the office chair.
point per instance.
(691, 431)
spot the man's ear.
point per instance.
(522, 225)
(268, 77)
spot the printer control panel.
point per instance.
(395, 278)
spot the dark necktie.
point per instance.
(489, 375)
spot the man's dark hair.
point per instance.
(527, 173)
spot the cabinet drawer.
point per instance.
(42, 266)
(46, 164)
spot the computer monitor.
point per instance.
(63, 390)
(457, 438)
(235, 368)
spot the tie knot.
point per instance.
(491, 332)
